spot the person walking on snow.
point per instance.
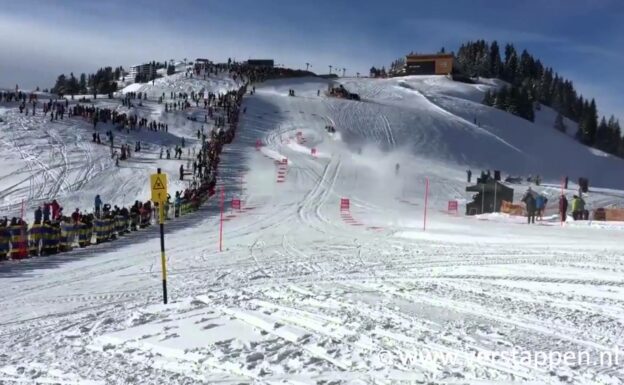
(181, 172)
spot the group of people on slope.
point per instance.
(536, 205)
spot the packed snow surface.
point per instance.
(305, 294)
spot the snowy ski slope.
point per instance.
(303, 294)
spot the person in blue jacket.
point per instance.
(540, 205)
(98, 205)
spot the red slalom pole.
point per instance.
(221, 224)
(22, 214)
(426, 199)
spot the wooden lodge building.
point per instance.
(428, 64)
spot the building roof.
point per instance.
(141, 65)
(429, 56)
(489, 187)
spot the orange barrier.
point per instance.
(512, 209)
(602, 214)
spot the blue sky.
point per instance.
(581, 39)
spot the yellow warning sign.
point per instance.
(158, 183)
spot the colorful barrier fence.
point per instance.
(19, 241)
(512, 209)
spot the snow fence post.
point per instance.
(560, 213)
(426, 199)
(221, 221)
(159, 195)
(23, 236)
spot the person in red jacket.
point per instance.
(76, 217)
(55, 209)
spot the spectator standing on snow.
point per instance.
(98, 205)
(46, 212)
(38, 215)
(55, 209)
(469, 175)
(76, 216)
(578, 208)
(563, 207)
(540, 203)
(529, 201)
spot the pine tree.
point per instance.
(488, 98)
(555, 92)
(72, 86)
(500, 99)
(592, 125)
(512, 101)
(602, 136)
(545, 86)
(559, 124)
(483, 64)
(511, 64)
(588, 124)
(60, 86)
(615, 136)
(525, 66)
(496, 64)
(83, 83)
(526, 105)
(579, 108)
(582, 122)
